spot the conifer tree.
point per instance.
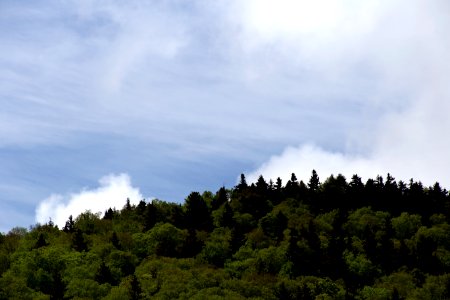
(314, 182)
(41, 242)
(78, 241)
(197, 212)
(70, 225)
(220, 198)
(242, 183)
(104, 274)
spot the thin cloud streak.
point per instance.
(221, 81)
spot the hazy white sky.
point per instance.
(174, 96)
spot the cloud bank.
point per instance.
(403, 51)
(112, 192)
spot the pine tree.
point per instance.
(197, 212)
(128, 205)
(220, 198)
(278, 184)
(104, 274)
(70, 225)
(78, 241)
(109, 214)
(135, 288)
(314, 182)
(150, 216)
(227, 216)
(41, 242)
(242, 183)
(115, 241)
(261, 185)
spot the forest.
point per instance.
(333, 239)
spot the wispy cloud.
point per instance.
(171, 85)
(112, 192)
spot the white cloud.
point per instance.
(405, 51)
(302, 160)
(112, 192)
(395, 160)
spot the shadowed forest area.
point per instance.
(336, 239)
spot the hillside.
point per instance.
(336, 239)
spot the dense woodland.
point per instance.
(336, 239)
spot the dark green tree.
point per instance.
(197, 212)
(78, 241)
(41, 242)
(109, 214)
(314, 182)
(261, 186)
(70, 225)
(220, 198)
(115, 241)
(150, 216)
(242, 183)
(135, 288)
(104, 275)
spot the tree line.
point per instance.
(336, 239)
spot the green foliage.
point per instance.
(359, 265)
(163, 239)
(273, 225)
(365, 220)
(330, 240)
(309, 287)
(402, 282)
(373, 293)
(270, 260)
(406, 225)
(218, 247)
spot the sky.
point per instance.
(101, 101)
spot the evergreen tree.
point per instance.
(261, 185)
(242, 183)
(197, 212)
(70, 225)
(109, 214)
(278, 184)
(140, 208)
(292, 187)
(128, 205)
(314, 182)
(41, 242)
(104, 274)
(78, 241)
(135, 288)
(58, 286)
(220, 198)
(227, 217)
(150, 216)
(115, 241)
(355, 192)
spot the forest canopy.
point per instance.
(331, 239)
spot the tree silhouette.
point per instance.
(197, 213)
(242, 183)
(220, 198)
(314, 182)
(70, 225)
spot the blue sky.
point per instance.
(160, 98)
